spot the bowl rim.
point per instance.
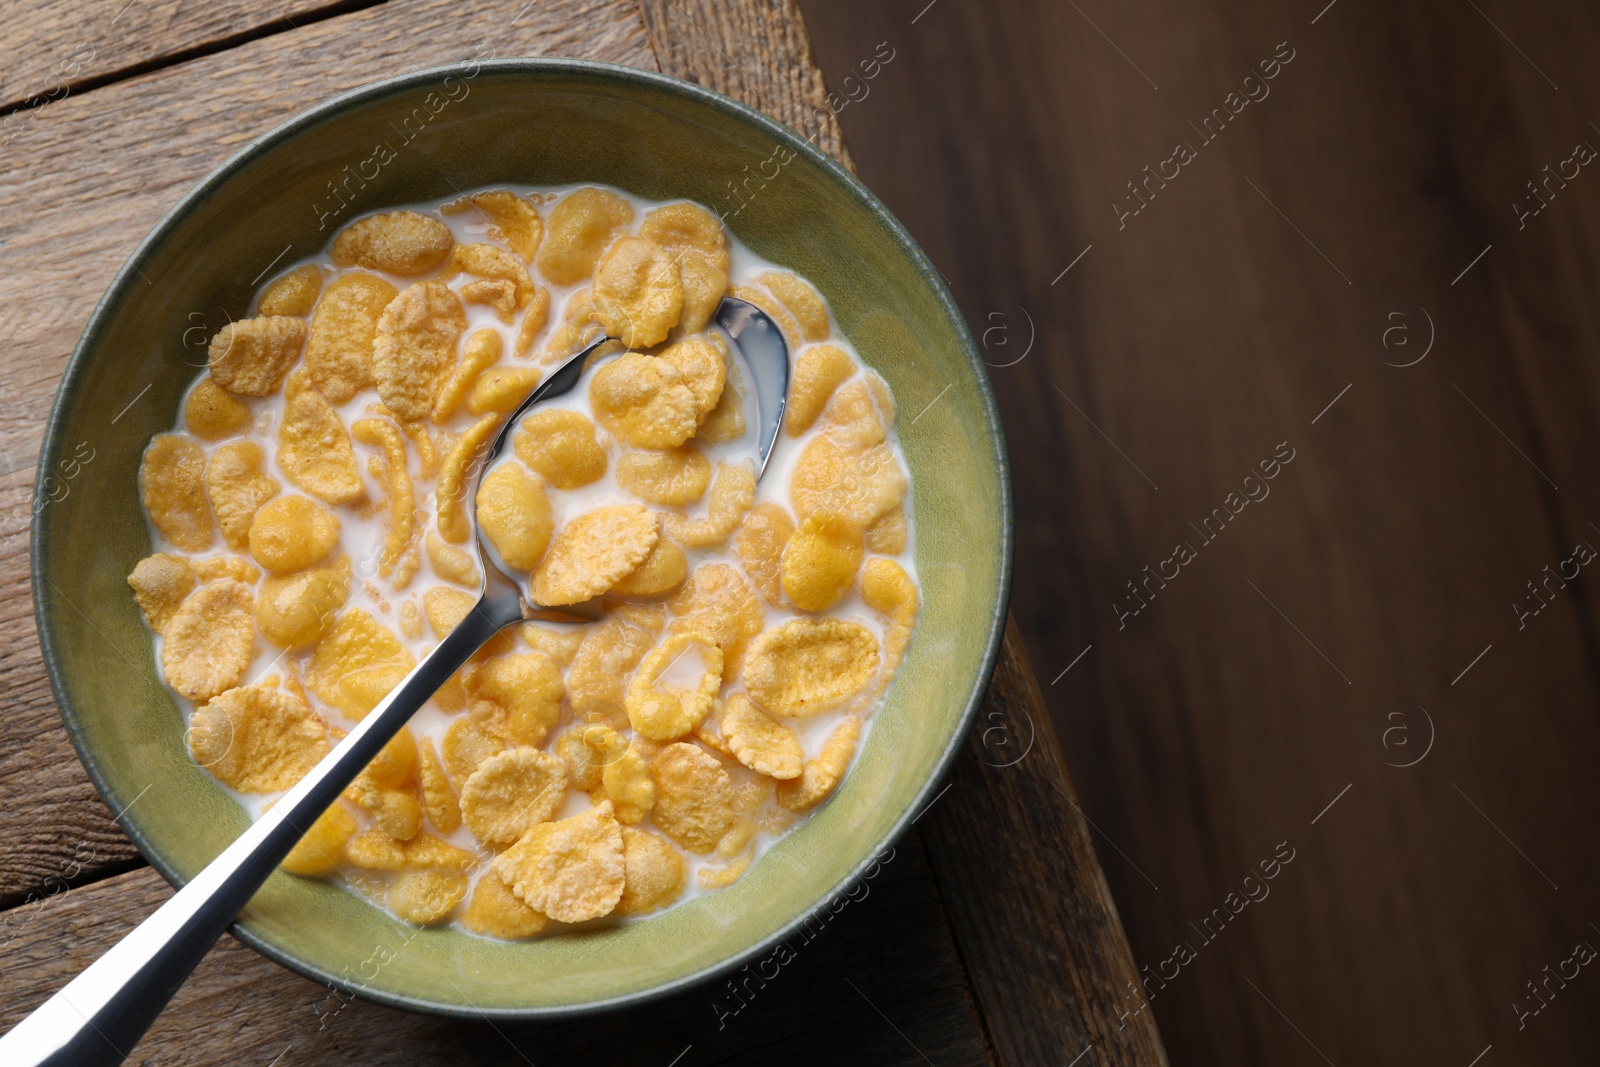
(591, 71)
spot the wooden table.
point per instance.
(990, 937)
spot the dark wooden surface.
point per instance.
(988, 937)
(1333, 632)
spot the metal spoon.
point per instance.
(99, 1016)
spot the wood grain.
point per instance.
(50, 52)
(1186, 343)
(756, 51)
(823, 1006)
(69, 216)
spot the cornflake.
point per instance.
(427, 897)
(637, 292)
(296, 611)
(513, 220)
(291, 533)
(654, 872)
(809, 311)
(510, 792)
(592, 552)
(208, 641)
(732, 494)
(628, 786)
(672, 478)
(820, 561)
(662, 571)
(888, 533)
(560, 646)
(339, 352)
(561, 447)
(483, 351)
(451, 563)
(314, 449)
(570, 870)
(821, 775)
(889, 590)
(294, 293)
(395, 242)
(810, 665)
(321, 849)
(499, 390)
(238, 484)
(466, 745)
(257, 739)
(698, 245)
(859, 483)
(381, 434)
(765, 746)
(211, 413)
(415, 347)
(703, 361)
(611, 649)
(817, 373)
(495, 911)
(673, 689)
(357, 663)
(762, 538)
(644, 401)
(213, 567)
(450, 497)
(717, 603)
(172, 485)
(160, 583)
(517, 696)
(377, 851)
(251, 356)
(694, 797)
(581, 226)
(514, 514)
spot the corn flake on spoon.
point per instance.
(99, 1016)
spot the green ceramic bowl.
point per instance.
(421, 137)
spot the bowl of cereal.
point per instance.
(285, 391)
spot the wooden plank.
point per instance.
(52, 51)
(756, 51)
(1196, 337)
(880, 984)
(68, 219)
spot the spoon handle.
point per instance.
(100, 1015)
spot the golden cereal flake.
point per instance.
(560, 645)
(802, 301)
(724, 876)
(560, 445)
(291, 533)
(821, 775)
(887, 408)
(694, 797)
(410, 619)
(852, 416)
(395, 242)
(889, 590)
(492, 263)
(211, 568)
(444, 811)
(251, 356)
(500, 390)
(673, 689)
(380, 433)
(500, 294)
(422, 439)
(293, 293)
(697, 243)
(426, 897)
(211, 413)
(465, 746)
(322, 847)
(821, 560)
(510, 792)
(817, 373)
(592, 552)
(339, 351)
(172, 486)
(237, 484)
(257, 738)
(415, 347)
(750, 791)
(765, 746)
(455, 474)
(514, 514)
(627, 784)
(726, 421)
(387, 787)
(314, 448)
(732, 494)
(889, 532)
(579, 327)
(807, 666)
(451, 563)
(517, 695)
(160, 583)
(533, 321)
(513, 220)
(703, 361)
(296, 611)
(719, 604)
(495, 911)
(671, 478)
(571, 870)
(637, 292)
(644, 401)
(662, 571)
(207, 643)
(762, 538)
(860, 483)
(654, 872)
(377, 851)
(776, 311)
(611, 649)
(586, 751)
(445, 608)
(580, 228)
(353, 659)
(483, 351)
